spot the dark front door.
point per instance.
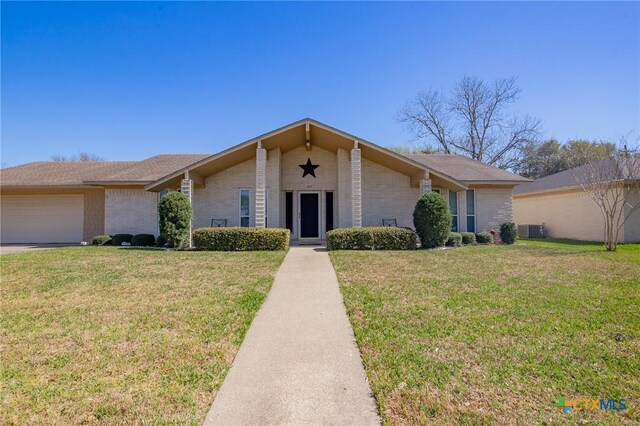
(309, 216)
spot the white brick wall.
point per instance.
(261, 183)
(343, 198)
(273, 188)
(130, 211)
(386, 194)
(493, 208)
(356, 188)
(220, 198)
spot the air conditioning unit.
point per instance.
(531, 231)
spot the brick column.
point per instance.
(425, 186)
(261, 181)
(356, 188)
(186, 187)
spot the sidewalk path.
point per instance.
(299, 363)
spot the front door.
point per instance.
(309, 217)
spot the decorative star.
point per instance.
(309, 169)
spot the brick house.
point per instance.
(307, 176)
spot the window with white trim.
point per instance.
(245, 206)
(453, 208)
(471, 210)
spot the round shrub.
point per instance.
(468, 238)
(101, 240)
(241, 239)
(161, 241)
(484, 238)
(432, 220)
(143, 240)
(175, 214)
(118, 239)
(508, 232)
(371, 238)
(454, 240)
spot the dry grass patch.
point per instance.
(121, 336)
(495, 334)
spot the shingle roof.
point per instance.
(67, 173)
(465, 169)
(567, 179)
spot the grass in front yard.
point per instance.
(495, 334)
(110, 335)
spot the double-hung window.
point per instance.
(453, 207)
(245, 206)
(471, 210)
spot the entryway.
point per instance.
(309, 213)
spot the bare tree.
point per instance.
(473, 121)
(82, 156)
(614, 185)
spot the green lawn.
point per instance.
(495, 334)
(123, 336)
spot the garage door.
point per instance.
(41, 219)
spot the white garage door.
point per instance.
(41, 218)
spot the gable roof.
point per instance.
(467, 170)
(566, 178)
(289, 137)
(80, 173)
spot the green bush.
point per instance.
(143, 240)
(454, 239)
(241, 239)
(161, 241)
(484, 238)
(432, 220)
(101, 240)
(468, 238)
(175, 214)
(508, 232)
(371, 238)
(118, 239)
(349, 239)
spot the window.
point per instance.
(245, 206)
(436, 190)
(471, 210)
(453, 207)
(162, 193)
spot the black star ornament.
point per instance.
(309, 169)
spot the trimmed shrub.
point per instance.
(468, 238)
(175, 214)
(432, 220)
(349, 239)
(161, 241)
(454, 240)
(508, 232)
(101, 240)
(371, 238)
(143, 240)
(241, 239)
(118, 239)
(484, 238)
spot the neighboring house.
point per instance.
(306, 176)
(559, 203)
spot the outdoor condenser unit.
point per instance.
(531, 231)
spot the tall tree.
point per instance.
(551, 157)
(473, 119)
(82, 156)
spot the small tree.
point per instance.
(508, 232)
(614, 185)
(175, 214)
(432, 220)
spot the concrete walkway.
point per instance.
(299, 363)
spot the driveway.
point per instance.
(21, 248)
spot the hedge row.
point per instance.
(371, 238)
(140, 240)
(240, 239)
(467, 238)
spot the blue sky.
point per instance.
(130, 80)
